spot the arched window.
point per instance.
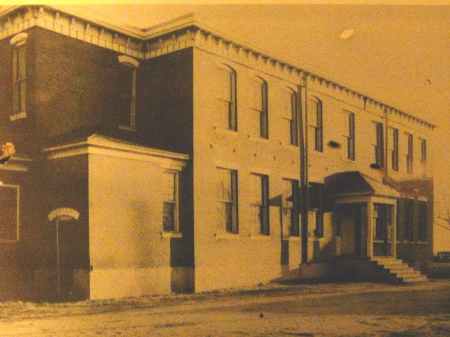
(228, 95)
(127, 81)
(293, 121)
(316, 122)
(264, 112)
(19, 77)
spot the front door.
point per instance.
(382, 230)
(352, 224)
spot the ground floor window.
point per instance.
(171, 198)
(319, 223)
(383, 221)
(9, 216)
(227, 199)
(261, 202)
(290, 207)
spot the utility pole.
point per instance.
(303, 156)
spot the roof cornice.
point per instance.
(179, 33)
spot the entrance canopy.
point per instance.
(354, 183)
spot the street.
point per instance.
(356, 309)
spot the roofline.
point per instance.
(108, 143)
(191, 21)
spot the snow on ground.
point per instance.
(325, 310)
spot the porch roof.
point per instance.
(356, 183)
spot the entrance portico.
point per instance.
(365, 215)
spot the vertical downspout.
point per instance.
(386, 145)
(303, 148)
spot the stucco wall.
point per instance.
(129, 256)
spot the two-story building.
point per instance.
(171, 157)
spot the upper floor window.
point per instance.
(316, 115)
(9, 221)
(264, 110)
(351, 138)
(127, 83)
(261, 203)
(379, 144)
(290, 203)
(171, 197)
(293, 117)
(423, 150)
(227, 199)
(410, 153)
(227, 87)
(394, 145)
(19, 76)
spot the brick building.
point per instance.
(178, 149)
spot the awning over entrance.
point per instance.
(354, 183)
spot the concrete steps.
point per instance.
(398, 270)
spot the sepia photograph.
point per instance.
(225, 168)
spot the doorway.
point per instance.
(352, 228)
(383, 229)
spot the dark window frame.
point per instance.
(264, 112)
(293, 122)
(423, 150)
(410, 154)
(395, 149)
(351, 137)
(232, 103)
(232, 205)
(174, 204)
(291, 209)
(19, 78)
(379, 146)
(263, 204)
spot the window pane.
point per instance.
(227, 200)
(224, 185)
(8, 219)
(169, 186)
(233, 100)
(169, 215)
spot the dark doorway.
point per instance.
(383, 225)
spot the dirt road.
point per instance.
(325, 310)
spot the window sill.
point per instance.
(350, 161)
(294, 238)
(126, 128)
(258, 139)
(171, 235)
(17, 116)
(291, 146)
(227, 236)
(260, 237)
(318, 153)
(225, 131)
